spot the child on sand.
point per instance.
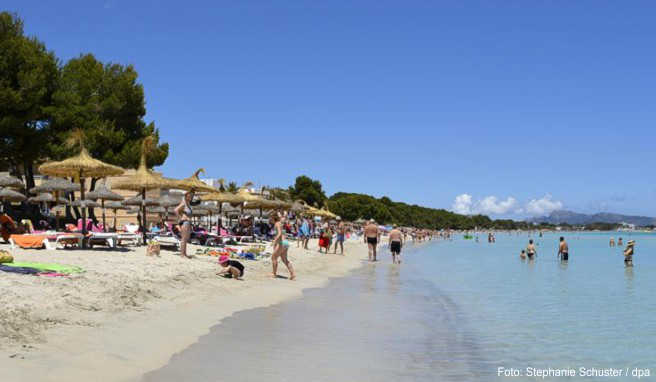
(231, 268)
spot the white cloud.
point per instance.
(491, 205)
(462, 204)
(543, 206)
(465, 204)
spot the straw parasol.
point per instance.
(7, 195)
(114, 206)
(80, 166)
(143, 180)
(103, 193)
(55, 185)
(10, 181)
(85, 203)
(167, 201)
(46, 197)
(193, 183)
(140, 201)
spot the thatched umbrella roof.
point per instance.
(55, 185)
(139, 201)
(46, 197)
(85, 203)
(116, 205)
(299, 206)
(8, 195)
(156, 210)
(210, 208)
(168, 201)
(10, 181)
(193, 183)
(142, 179)
(81, 165)
(102, 192)
(199, 211)
(222, 197)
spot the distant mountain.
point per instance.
(569, 217)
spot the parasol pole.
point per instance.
(218, 222)
(143, 213)
(102, 202)
(84, 210)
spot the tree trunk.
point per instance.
(92, 213)
(29, 175)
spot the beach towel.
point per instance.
(19, 270)
(47, 268)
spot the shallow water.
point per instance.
(454, 310)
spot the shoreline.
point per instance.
(71, 337)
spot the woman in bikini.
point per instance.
(280, 248)
(183, 212)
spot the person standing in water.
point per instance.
(619, 242)
(530, 249)
(563, 250)
(371, 238)
(522, 255)
(280, 247)
(628, 253)
(395, 243)
(612, 242)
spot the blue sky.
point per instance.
(510, 108)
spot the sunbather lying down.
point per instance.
(231, 268)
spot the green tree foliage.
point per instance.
(308, 190)
(28, 78)
(107, 103)
(232, 187)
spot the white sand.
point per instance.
(129, 313)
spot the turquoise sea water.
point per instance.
(454, 310)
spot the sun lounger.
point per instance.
(126, 238)
(103, 238)
(167, 241)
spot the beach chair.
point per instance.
(167, 241)
(103, 238)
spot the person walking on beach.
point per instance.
(341, 234)
(563, 250)
(628, 253)
(183, 212)
(280, 248)
(395, 243)
(530, 249)
(371, 234)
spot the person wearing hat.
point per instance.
(231, 268)
(341, 234)
(628, 253)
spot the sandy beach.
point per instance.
(128, 313)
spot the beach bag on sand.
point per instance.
(152, 249)
(6, 257)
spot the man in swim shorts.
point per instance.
(371, 238)
(341, 234)
(395, 243)
(563, 250)
(628, 253)
(530, 249)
